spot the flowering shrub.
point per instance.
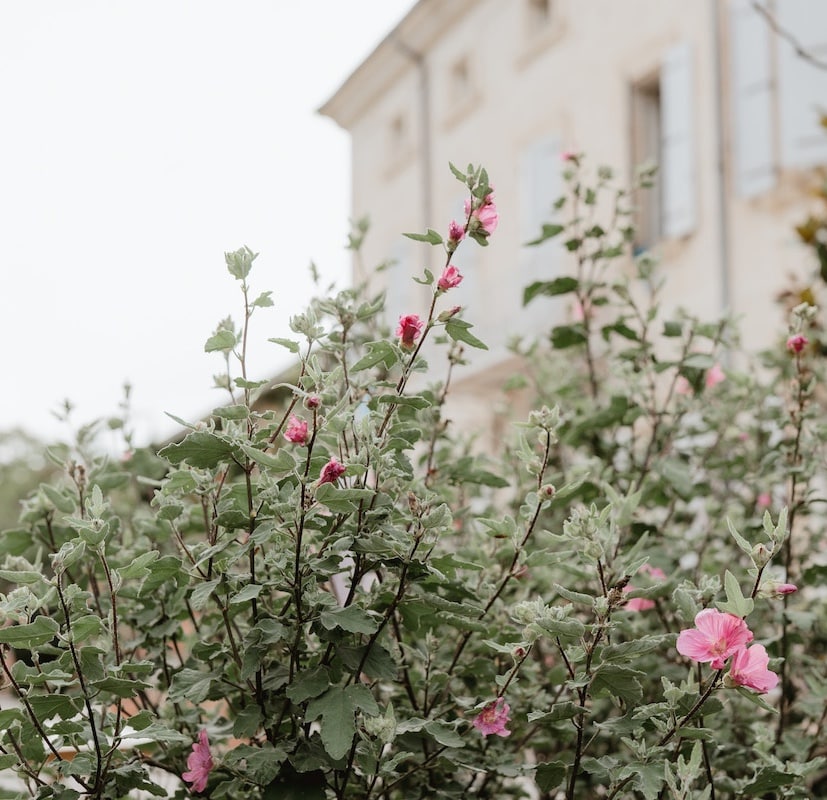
(347, 597)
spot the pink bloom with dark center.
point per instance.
(485, 214)
(199, 763)
(714, 376)
(493, 718)
(450, 278)
(296, 431)
(409, 328)
(749, 668)
(332, 471)
(456, 233)
(715, 637)
(796, 343)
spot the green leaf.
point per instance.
(351, 618)
(246, 722)
(549, 231)
(767, 780)
(292, 346)
(378, 352)
(431, 237)
(264, 300)
(307, 684)
(202, 593)
(138, 567)
(412, 401)
(562, 285)
(672, 329)
(741, 541)
(342, 501)
(200, 449)
(444, 734)
(240, 262)
(31, 636)
(565, 336)
(550, 775)
(61, 500)
(337, 708)
(458, 330)
(736, 603)
(222, 340)
(250, 592)
(239, 411)
(192, 685)
(616, 681)
(51, 705)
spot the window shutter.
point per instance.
(399, 276)
(677, 145)
(802, 86)
(752, 100)
(540, 186)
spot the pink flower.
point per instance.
(484, 215)
(637, 603)
(312, 401)
(199, 763)
(786, 588)
(749, 668)
(715, 637)
(409, 328)
(296, 431)
(655, 573)
(714, 376)
(643, 603)
(332, 471)
(682, 385)
(450, 278)
(456, 233)
(763, 500)
(493, 718)
(796, 343)
(568, 155)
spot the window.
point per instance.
(398, 273)
(460, 80)
(662, 134)
(646, 150)
(778, 95)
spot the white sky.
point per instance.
(139, 141)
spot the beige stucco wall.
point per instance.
(572, 79)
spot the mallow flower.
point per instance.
(715, 637)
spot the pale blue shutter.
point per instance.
(802, 86)
(677, 142)
(752, 100)
(540, 185)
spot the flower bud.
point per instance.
(547, 491)
(761, 555)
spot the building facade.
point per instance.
(717, 93)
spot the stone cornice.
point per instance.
(397, 53)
